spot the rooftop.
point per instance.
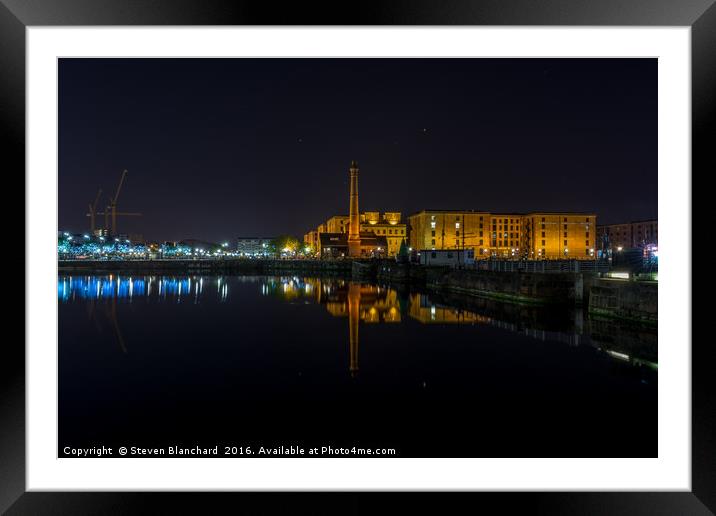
(507, 212)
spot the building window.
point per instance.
(565, 234)
(432, 233)
(565, 219)
(565, 243)
(542, 225)
(433, 242)
(457, 225)
(543, 242)
(542, 219)
(542, 234)
(587, 242)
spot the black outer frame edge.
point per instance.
(464, 12)
(703, 109)
(12, 363)
(553, 504)
(367, 12)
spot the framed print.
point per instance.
(407, 248)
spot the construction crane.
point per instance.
(92, 212)
(110, 212)
(113, 203)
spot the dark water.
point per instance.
(290, 361)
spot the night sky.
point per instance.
(220, 148)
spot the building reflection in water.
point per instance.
(358, 302)
(367, 303)
(427, 312)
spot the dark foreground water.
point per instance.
(288, 361)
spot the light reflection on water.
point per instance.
(282, 359)
(358, 301)
(71, 288)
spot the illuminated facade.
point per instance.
(449, 229)
(386, 226)
(560, 235)
(310, 239)
(378, 234)
(505, 235)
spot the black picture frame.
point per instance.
(16, 15)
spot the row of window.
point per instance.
(389, 231)
(540, 252)
(586, 219)
(506, 220)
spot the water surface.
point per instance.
(270, 361)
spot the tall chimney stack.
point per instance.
(354, 222)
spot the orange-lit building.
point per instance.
(387, 225)
(505, 235)
(560, 235)
(377, 234)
